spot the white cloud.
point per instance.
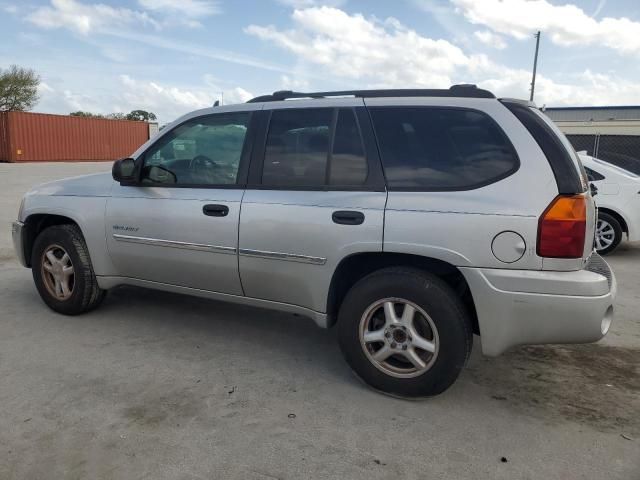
(160, 41)
(189, 8)
(122, 23)
(298, 4)
(565, 24)
(168, 102)
(153, 95)
(9, 7)
(586, 88)
(44, 88)
(354, 47)
(490, 39)
(86, 18)
(293, 83)
(226, 95)
(375, 53)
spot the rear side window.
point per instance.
(302, 149)
(434, 148)
(560, 154)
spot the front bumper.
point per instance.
(17, 232)
(524, 307)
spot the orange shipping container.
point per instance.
(40, 137)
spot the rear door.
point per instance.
(315, 196)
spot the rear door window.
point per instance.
(439, 148)
(314, 147)
(297, 147)
(348, 164)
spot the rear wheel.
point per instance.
(608, 233)
(62, 271)
(404, 332)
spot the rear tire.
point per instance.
(608, 233)
(428, 320)
(62, 271)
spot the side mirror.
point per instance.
(123, 171)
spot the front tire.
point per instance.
(608, 233)
(62, 271)
(404, 332)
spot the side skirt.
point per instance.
(107, 282)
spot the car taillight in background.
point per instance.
(562, 227)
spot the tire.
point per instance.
(608, 233)
(82, 292)
(427, 295)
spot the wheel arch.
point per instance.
(618, 216)
(356, 266)
(36, 223)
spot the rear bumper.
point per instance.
(17, 233)
(523, 307)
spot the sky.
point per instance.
(174, 56)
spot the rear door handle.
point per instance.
(347, 217)
(213, 210)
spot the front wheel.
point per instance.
(62, 271)
(608, 233)
(404, 332)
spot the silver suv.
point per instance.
(409, 219)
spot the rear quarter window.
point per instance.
(563, 160)
(439, 148)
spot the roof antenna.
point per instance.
(216, 103)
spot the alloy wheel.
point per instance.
(399, 338)
(605, 234)
(58, 272)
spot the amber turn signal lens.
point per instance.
(562, 228)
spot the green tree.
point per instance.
(80, 113)
(18, 88)
(141, 115)
(137, 115)
(117, 116)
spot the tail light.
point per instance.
(562, 227)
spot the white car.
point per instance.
(618, 202)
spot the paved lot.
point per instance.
(154, 385)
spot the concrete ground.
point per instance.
(160, 386)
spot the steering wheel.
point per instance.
(203, 170)
(201, 161)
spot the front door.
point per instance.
(316, 196)
(179, 224)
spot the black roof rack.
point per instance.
(463, 90)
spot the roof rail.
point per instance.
(462, 90)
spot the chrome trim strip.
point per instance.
(174, 244)
(289, 257)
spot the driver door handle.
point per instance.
(214, 210)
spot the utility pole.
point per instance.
(221, 98)
(535, 66)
